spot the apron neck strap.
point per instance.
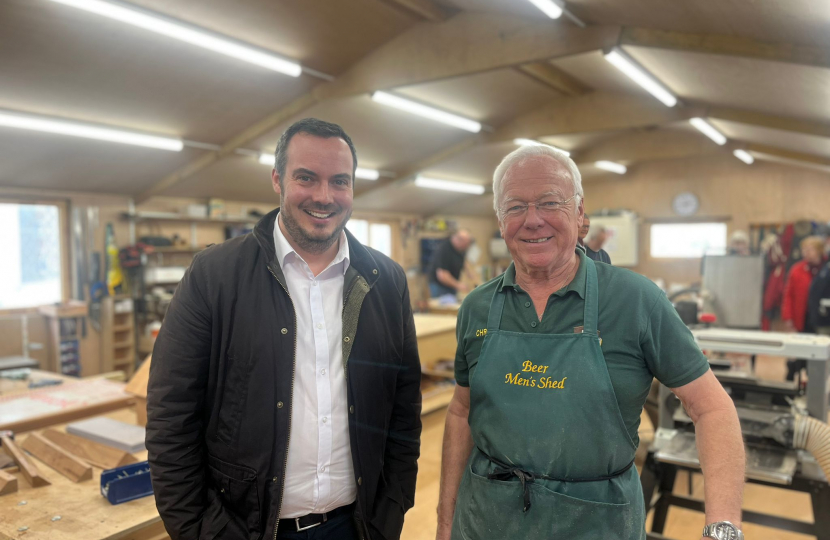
(496, 308)
(589, 321)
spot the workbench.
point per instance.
(84, 513)
(436, 341)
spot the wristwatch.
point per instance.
(722, 530)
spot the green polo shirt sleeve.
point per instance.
(669, 348)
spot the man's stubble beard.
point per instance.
(310, 243)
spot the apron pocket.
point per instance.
(492, 509)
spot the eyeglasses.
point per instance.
(516, 209)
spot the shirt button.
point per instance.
(314, 284)
(320, 325)
(325, 419)
(351, 409)
(360, 481)
(284, 331)
(533, 324)
(279, 404)
(347, 339)
(527, 304)
(274, 479)
(323, 371)
(322, 469)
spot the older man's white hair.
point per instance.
(519, 156)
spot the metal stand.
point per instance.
(658, 479)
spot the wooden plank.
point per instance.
(8, 483)
(69, 401)
(27, 468)
(56, 457)
(100, 455)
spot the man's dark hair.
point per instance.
(315, 127)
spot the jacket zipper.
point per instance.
(365, 532)
(293, 373)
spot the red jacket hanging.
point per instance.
(796, 293)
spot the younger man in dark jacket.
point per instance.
(284, 389)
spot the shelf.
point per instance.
(122, 327)
(122, 344)
(169, 216)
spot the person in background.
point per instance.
(583, 232)
(447, 263)
(796, 294)
(596, 239)
(818, 302)
(738, 244)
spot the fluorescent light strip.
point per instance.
(88, 131)
(709, 130)
(624, 63)
(360, 172)
(744, 156)
(531, 142)
(448, 185)
(548, 7)
(201, 38)
(610, 166)
(427, 112)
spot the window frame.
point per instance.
(700, 221)
(63, 206)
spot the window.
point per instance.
(687, 240)
(374, 235)
(30, 243)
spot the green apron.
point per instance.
(552, 456)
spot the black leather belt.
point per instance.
(309, 521)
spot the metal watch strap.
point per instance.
(722, 530)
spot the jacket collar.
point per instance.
(360, 258)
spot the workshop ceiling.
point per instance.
(759, 71)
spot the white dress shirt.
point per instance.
(319, 476)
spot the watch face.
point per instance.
(725, 531)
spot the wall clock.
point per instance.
(685, 204)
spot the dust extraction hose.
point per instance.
(814, 436)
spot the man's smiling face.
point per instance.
(317, 190)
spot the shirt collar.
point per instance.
(577, 284)
(286, 253)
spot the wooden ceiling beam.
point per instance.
(727, 45)
(769, 121)
(553, 77)
(595, 111)
(647, 145)
(426, 9)
(465, 44)
(789, 156)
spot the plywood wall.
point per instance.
(726, 188)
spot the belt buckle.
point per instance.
(300, 529)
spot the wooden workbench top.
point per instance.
(84, 513)
(427, 324)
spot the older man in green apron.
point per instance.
(555, 359)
